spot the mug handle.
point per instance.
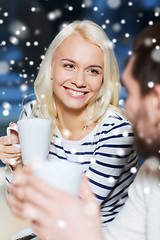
(9, 134)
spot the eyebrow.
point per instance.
(94, 65)
(67, 59)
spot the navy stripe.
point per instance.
(76, 153)
(115, 146)
(114, 136)
(25, 113)
(112, 204)
(103, 174)
(110, 220)
(108, 124)
(132, 159)
(55, 154)
(129, 168)
(7, 179)
(124, 180)
(118, 206)
(100, 185)
(109, 165)
(84, 163)
(119, 193)
(114, 155)
(107, 138)
(100, 197)
(111, 214)
(116, 116)
(79, 153)
(113, 128)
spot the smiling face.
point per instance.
(143, 112)
(77, 73)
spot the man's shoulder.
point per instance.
(148, 176)
(150, 170)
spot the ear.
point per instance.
(157, 92)
(51, 72)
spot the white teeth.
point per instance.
(75, 93)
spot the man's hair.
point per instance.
(146, 67)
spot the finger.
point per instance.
(15, 162)
(28, 192)
(14, 133)
(8, 140)
(12, 124)
(19, 204)
(10, 149)
(11, 160)
(15, 204)
(20, 177)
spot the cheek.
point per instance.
(131, 109)
(127, 105)
(134, 109)
(95, 85)
(58, 78)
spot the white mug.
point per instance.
(34, 137)
(62, 174)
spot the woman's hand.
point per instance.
(10, 154)
(54, 213)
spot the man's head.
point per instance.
(141, 78)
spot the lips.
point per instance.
(75, 93)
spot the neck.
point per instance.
(71, 123)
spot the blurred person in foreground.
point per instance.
(58, 215)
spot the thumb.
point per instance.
(14, 134)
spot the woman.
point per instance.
(77, 88)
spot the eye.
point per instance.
(69, 66)
(93, 71)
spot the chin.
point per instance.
(74, 108)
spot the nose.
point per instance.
(79, 79)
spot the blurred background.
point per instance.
(28, 26)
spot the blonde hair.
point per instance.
(109, 92)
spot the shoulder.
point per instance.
(148, 178)
(117, 130)
(149, 172)
(113, 114)
(114, 120)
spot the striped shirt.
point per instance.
(107, 155)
